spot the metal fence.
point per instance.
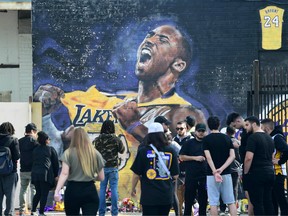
(269, 95)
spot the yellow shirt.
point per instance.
(271, 24)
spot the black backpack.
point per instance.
(6, 164)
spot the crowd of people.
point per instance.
(210, 166)
(82, 165)
(206, 162)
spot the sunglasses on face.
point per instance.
(180, 128)
(201, 131)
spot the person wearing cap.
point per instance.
(165, 124)
(26, 145)
(156, 184)
(192, 154)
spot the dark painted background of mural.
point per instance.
(80, 43)
(86, 42)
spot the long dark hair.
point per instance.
(7, 128)
(158, 139)
(42, 138)
(108, 127)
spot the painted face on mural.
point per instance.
(158, 52)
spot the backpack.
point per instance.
(6, 164)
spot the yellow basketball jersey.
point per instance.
(271, 24)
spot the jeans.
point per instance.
(25, 181)
(8, 185)
(111, 175)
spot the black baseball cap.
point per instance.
(31, 126)
(200, 126)
(162, 119)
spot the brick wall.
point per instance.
(78, 44)
(25, 61)
(226, 36)
(9, 53)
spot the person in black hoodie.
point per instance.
(109, 145)
(8, 182)
(26, 144)
(44, 171)
(279, 161)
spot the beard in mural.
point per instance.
(161, 58)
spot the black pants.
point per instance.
(260, 193)
(159, 210)
(192, 186)
(81, 195)
(42, 190)
(279, 199)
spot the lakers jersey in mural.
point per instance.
(89, 109)
(271, 24)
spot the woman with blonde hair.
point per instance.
(82, 165)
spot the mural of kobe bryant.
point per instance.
(161, 59)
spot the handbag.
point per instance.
(161, 161)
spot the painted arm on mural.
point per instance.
(49, 96)
(133, 118)
(53, 98)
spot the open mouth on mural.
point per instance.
(145, 56)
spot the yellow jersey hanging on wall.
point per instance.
(271, 24)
